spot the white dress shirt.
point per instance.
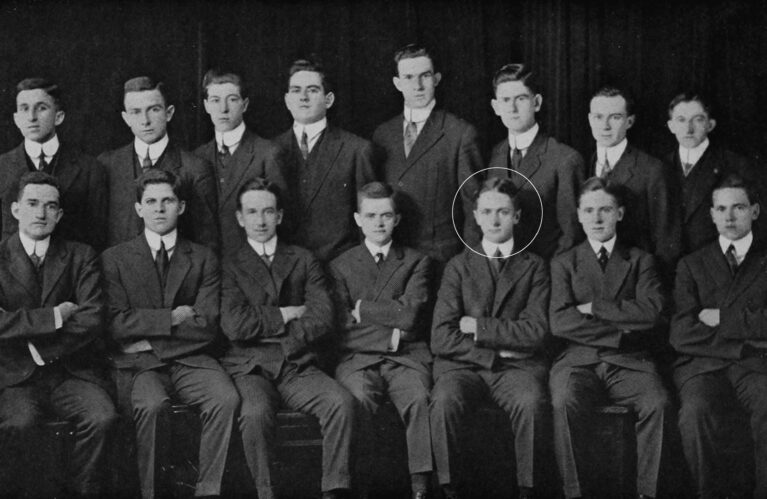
(33, 149)
(609, 245)
(523, 140)
(613, 155)
(313, 131)
(155, 150)
(742, 245)
(230, 139)
(268, 248)
(417, 116)
(692, 156)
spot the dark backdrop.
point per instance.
(653, 49)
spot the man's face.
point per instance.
(599, 214)
(690, 124)
(38, 211)
(306, 98)
(160, 208)
(225, 106)
(259, 215)
(516, 105)
(147, 115)
(377, 219)
(417, 81)
(496, 216)
(732, 212)
(608, 119)
(36, 115)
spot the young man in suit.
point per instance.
(275, 308)
(489, 326)
(51, 357)
(427, 154)
(237, 153)
(720, 333)
(382, 291)
(606, 302)
(326, 164)
(553, 170)
(82, 180)
(147, 113)
(697, 166)
(163, 309)
(652, 220)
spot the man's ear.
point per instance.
(437, 78)
(358, 219)
(630, 121)
(60, 115)
(330, 98)
(169, 112)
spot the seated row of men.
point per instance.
(496, 305)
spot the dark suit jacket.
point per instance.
(556, 171)
(84, 195)
(251, 298)
(394, 296)
(703, 280)
(70, 273)
(627, 306)
(198, 184)
(444, 155)
(139, 309)
(511, 314)
(652, 220)
(254, 157)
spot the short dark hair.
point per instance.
(216, 76)
(376, 190)
(690, 97)
(144, 83)
(313, 64)
(36, 178)
(411, 51)
(616, 92)
(155, 176)
(498, 184)
(259, 184)
(594, 184)
(736, 181)
(49, 87)
(516, 72)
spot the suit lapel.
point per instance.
(144, 269)
(21, 268)
(532, 159)
(431, 133)
(282, 265)
(702, 177)
(482, 279)
(717, 268)
(623, 170)
(752, 267)
(616, 271)
(122, 173)
(179, 266)
(387, 270)
(171, 159)
(19, 165)
(250, 264)
(67, 168)
(240, 164)
(329, 148)
(53, 267)
(515, 267)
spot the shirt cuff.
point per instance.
(394, 341)
(57, 320)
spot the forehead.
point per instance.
(223, 89)
(40, 192)
(306, 79)
(377, 205)
(689, 108)
(608, 105)
(144, 98)
(597, 198)
(158, 191)
(415, 65)
(258, 200)
(512, 89)
(730, 196)
(494, 200)
(34, 96)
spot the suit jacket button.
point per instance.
(400, 183)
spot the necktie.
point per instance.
(37, 261)
(497, 261)
(224, 152)
(606, 168)
(379, 259)
(732, 261)
(146, 163)
(516, 159)
(267, 259)
(42, 165)
(162, 263)
(411, 133)
(602, 258)
(304, 144)
(686, 168)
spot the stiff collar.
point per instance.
(232, 138)
(419, 115)
(692, 156)
(613, 153)
(153, 239)
(50, 148)
(155, 150)
(266, 248)
(742, 245)
(609, 245)
(313, 130)
(523, 140)
(506, 248)
(374, 249)
(40, 248)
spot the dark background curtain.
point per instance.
(654, 49)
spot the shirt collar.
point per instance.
(692, 156)
(50, 148)
(523, 140)
(421, 114)
(155, 150)
(232, 137)
(742, 245)
(609, 245)
(268, 247)
(374, 248)
(153, 239)
(613, 153)
(506, 248)
(39, 247)
(312, 129)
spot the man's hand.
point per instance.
(709, 316)
(292, 312)
(468, 325)
(408, 336)
(180, 314)
(584, 308)
(356, 312)
(66, 309)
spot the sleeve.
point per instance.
(243, 320)
(569, 179)
(447, 340)
(203, 207)
(207, 304)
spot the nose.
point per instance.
(419, 82)
(145, 118)
(33, 115)
(304, 96)
(161, 207)
(224, 106)
(690, 127)
(40, 212)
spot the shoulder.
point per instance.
(110, 157)
(353, 140)
(454, 124)
(191, 161)
(204, 150)
(564, 151)
(11, 155)
(285, 139)
(649, 163)
(387, 127)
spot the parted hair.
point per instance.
(690, 96)
(49, 87)
(411, 51)
(377, 190)
(259, 184)
(36, 178)
(736, 181)
(516, 72)
(215, 76)
(502, 185)
(594, 184)
(313, 64)
(616, 92)
(144, 83)
(155, 176)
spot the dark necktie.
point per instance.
(602, 258)
(516, 159)
(162, 263)
(146, 163)
(304, 145)
(224, 152)
(411, 133)
(497, 261)
(42, 165)
(686, 168)
(379, 259)
(732, 261)
(37, 262)
(606, 168)
(267, 259)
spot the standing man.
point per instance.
(326, 166)
(489, 326)
(163, 310)
(606, 303)
(237, 153)
(51, 357)
(652, 220)
(276, 307)
(147, 113)
(382, 292)
(82, 180)
(720, 333)
(427, 154)
(554, 170)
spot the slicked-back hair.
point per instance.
(735, 181)
(594, 184)
(259, 184)
(155, 176)
(144, 83)
(314, 65)
(616, 92)
(217, 76)
(690, 97)
(516, 72)
(377, 190)
(502, 185)
(411, 51)
(49, 87)
(36, 178)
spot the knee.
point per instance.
(696, 408)
(445, 402)
(151, 408)
(567, 402)
(533, 403)
(655, 402)
(224, 402)
(341, 403)
(256, 416)
(101, 421)
(19, 423)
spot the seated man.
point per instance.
(382, 290)
(607, 303)
(275, 307)
(489, 325)
(163, 297)
(50, 355)
(720, 333)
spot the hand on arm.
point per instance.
(468, 325)
(292, 312)
(180, 314)
(709, 316)
(584, 308)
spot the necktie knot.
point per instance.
(686, 168)
(42, 165)
(379, 258)
(732, 259)
(224, 151)
(411, 134)
(497, 260)
(146, 163)
(606, 168)
(516, 158)
(267, 259)
(603, 257)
